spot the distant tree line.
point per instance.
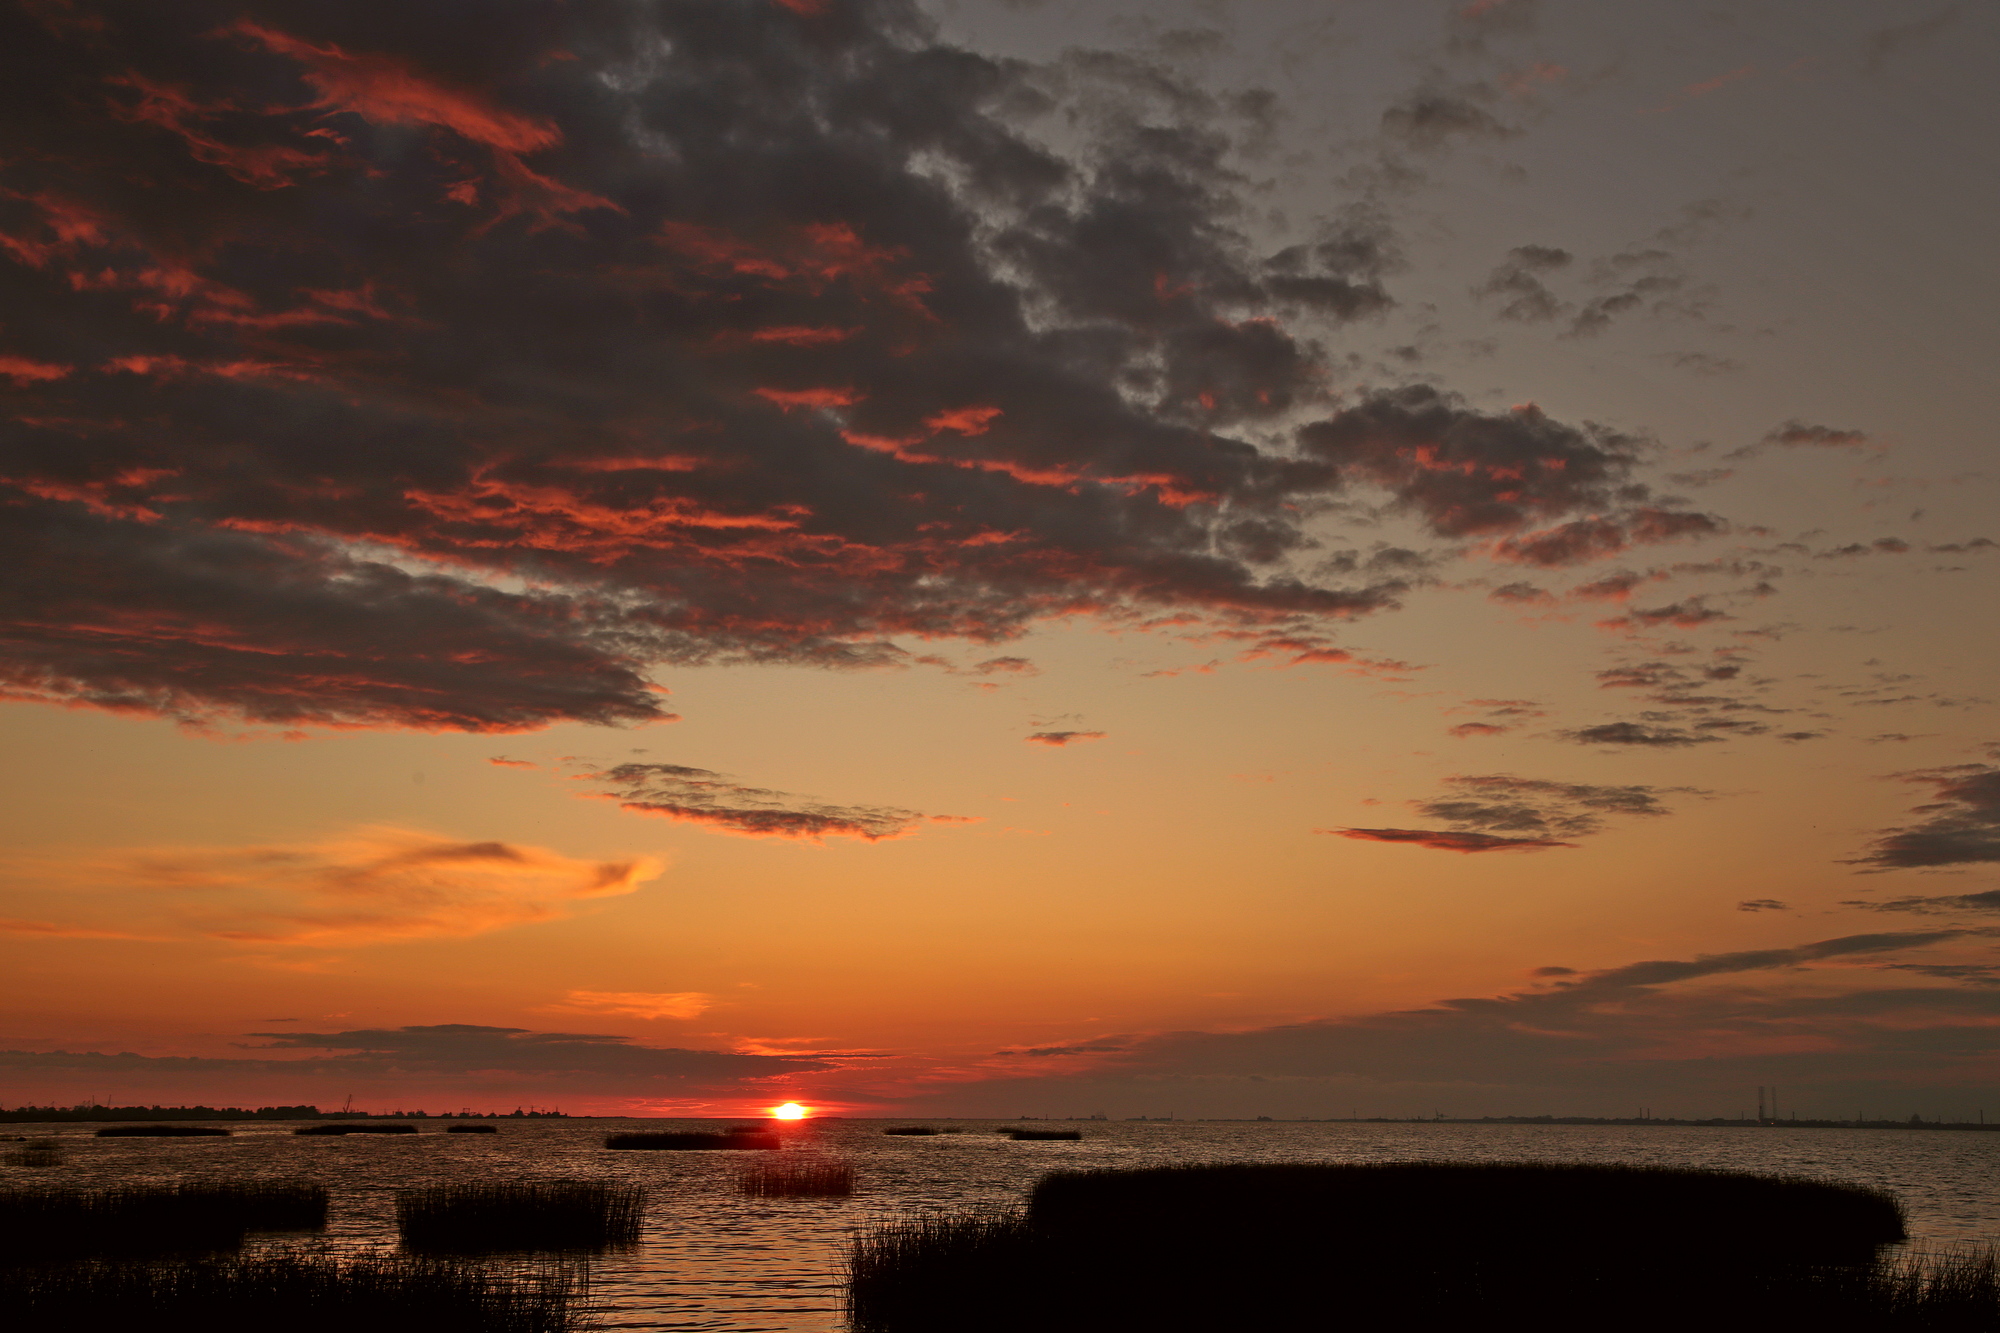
(53, 1114)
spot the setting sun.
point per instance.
(789, 1111)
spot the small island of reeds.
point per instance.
(1042, 1135)
(344, 1127)
(548, 1216)
(162, 1132)
(54, 1224)
(784, 1179)
(1417, 1245)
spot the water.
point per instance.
(716, 1260)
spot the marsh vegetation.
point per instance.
(51, 1223)
(697, 1140)
(795, 1179)
(548, 1216)
(1193, 1249)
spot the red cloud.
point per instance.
(1444, 841)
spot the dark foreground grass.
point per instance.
(472, 1129)
(696, 1140)
(162, 1132)
(1043, 1135)
(48, 1224)
(1418, 1245)
(551, 1216)
(297, 1294)
(789, 1179)
(344, 1128)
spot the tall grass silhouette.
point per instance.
(792, 1179)
(295, 1293)
(548, 1216)
(1042, 1135)
(472, 1129)
(912, 1131)
(46, 1224)
(162, 1132)
(1197, 1249)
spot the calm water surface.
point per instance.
(714, 1259)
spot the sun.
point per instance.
(789, 1111)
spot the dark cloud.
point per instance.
(1500, 812)
(1445, 841)
(1517, 283)
(1796, 432)
(1762, 905)
(1885, 42)
(1634, 733)
(1699, 1030)
(1962, 825)
(1988, 901)
(452, 366)
(399, 1066)
(699, 796)
(1434, 119)
(1584, 540)
(1061, 738)
(1636, 279)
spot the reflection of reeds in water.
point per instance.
(298, 1294)
(340, 1129)
(36, 1152)
(550, 1216)
(798, 1179)
(52, 1224)
(1417, 1245)
(472, 1129)
(695, 1140)
(162, 1132)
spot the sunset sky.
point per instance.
(995, 557)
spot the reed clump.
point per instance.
(807, 1179)
(1042, 1135)
(556, 1216)
(347, 1128)
(913, 1131)
(697, 1140)
(472, 1129)
(162, 1132)
(48, 1224)
(300, 1294)
(1415, 1244)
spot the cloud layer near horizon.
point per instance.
(374, 885)
(450, 367)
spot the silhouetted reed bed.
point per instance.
(1428, 1245)
(912, 1131)
(299, 1294)
(162, 1132)
(696, 1140)
(787, 1179)
(472, 1129)
(50, 1223)
(1040, 1135)
(549, 1216)
(340, 1129)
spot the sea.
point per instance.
(716, 1259)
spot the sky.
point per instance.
(997, 557)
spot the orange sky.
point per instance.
(1073, 589)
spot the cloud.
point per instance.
(1431, 120)
(1060, 738)
(1699, 1030)
(1518, 283)
(1762, 905)
(1499, 812)
(372, 886)
(1962, 828)
(373, 370)
(1633, 733)
(1795, 432)
(701, 796)
(1987, 901)
(445, 1063)
(638, 1004)
(1444, 841)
